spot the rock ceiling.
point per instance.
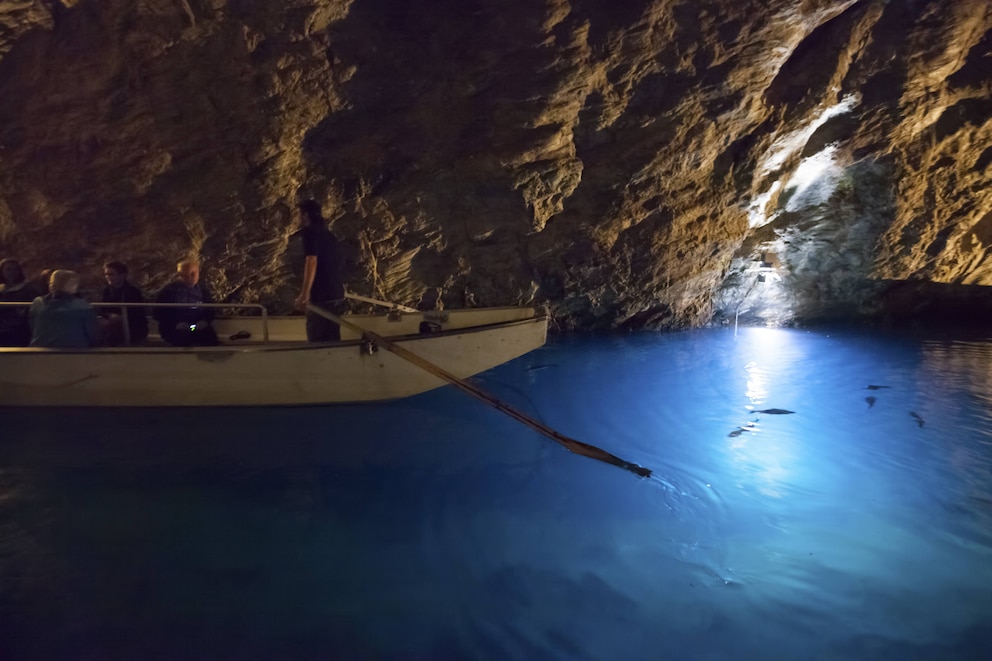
(626, 163)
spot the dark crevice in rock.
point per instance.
(837, 129)
(973, 112)
(983, 161)
(938, 245)
(975, 70)
(804, 77)
(933, 303)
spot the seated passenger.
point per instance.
(61, 319)
(14, 329)
(41, 282)
(119, 290)
(189, 326)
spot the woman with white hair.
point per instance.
(61, 319)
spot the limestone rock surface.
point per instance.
(649, 163)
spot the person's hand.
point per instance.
(301, 303)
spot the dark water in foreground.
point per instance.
(437, 528)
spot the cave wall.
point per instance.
(625, 163)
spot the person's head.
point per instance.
(64, 282)
(189, 271)
(310, 213)
(11, 272)
(115, 273)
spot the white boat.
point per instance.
(275, 366)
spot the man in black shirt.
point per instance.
(119, 290)
(322, 282)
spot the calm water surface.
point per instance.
(437, 528)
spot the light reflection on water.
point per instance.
(437, 528)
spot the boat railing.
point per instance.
(263, 312)
(394, 308)
(379, 302)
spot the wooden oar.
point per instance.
(376, 301)
(578, 447)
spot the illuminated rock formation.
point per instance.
(626, 162)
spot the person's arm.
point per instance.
(34, 311)
(106, 313)
(309, 271)
(164, 316)
(207, 314)
(92, 329)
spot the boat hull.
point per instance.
(257, 375)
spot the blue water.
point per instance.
(438, 528)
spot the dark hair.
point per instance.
(20, 271)
(119, 267)
(312, 210)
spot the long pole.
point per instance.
(376, 301)
(570, 444)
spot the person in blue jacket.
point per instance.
(61, 319)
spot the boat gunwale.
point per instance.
(272, 346)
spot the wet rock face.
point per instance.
(629, 163)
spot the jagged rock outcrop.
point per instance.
(625, 162)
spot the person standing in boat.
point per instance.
(322, 285)
(61, 319)
(14, 288)
(190, 326)
(119, 290)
